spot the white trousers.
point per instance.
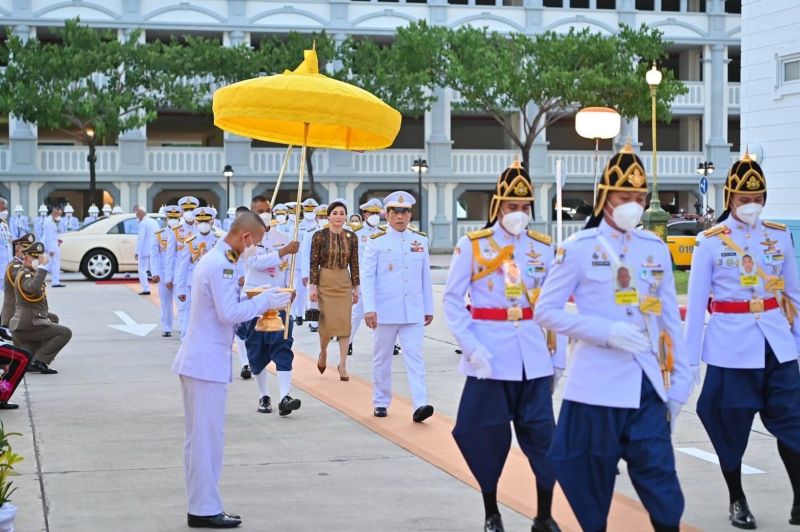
(410, 336)
(165, 295)
(204, 414)
(54, 263)
(183, 311)
(356, 317)
(299, 304)
(144, 265)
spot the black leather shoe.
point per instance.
(794, 518)
(493, 524)
(396, 350)
(246, 373)
(144, 293)
(380, 411)
(57, 286)
(233, 516)
(287, 405)
(544, 525)
(313, 329)
(8, 406)
(42, 368)
(265, 405)
(5, 334)
(222, 520)
(422, 413)
(298, 321)
(740, 515)
(350, 350)
(166, 334)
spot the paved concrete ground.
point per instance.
(103, 443)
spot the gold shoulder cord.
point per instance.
(8, 273)
(489, 266)
(21, 291)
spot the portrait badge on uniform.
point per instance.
(227, 273)
(417, 247)
(748, 274)
(624, 291)
(512, 279)
(560, 255)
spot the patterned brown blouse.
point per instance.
(334, 252)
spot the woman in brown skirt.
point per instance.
(333, 282)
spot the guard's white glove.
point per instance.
(272, 299)
(674, 408)
(628, 338)
(479, 360)
(696, 374)
(557, 374)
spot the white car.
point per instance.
(104, 247)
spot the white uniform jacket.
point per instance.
(601, 375)
(515, 346)
(144, 238)
(158, 252)
(195, 247)
(737, 340)
(205, 352)
(175, 245)
(396, 277)
(266, 267)
(50, 235)
(19, 225)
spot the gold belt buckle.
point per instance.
(514, 313)
(756, 305)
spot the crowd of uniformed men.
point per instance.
(508, 304)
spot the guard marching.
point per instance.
(630, 370)
(508, 360)
(750, 344)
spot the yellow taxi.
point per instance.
(681, 235)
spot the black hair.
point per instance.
(258, 198)
(241, 209)
(337, 204)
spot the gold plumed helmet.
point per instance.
(514, 184)
(624, 172)
(745, 177)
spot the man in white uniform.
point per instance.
(399, 304)
(38, 224)
(19, 224)
(371, 214)
(203, 363)
(304, 258)
(147, 228)
(6, 251)
(52, 245)
(306, 225)
(93, 213)
(107, 209)
(69, 222)
(158, 262)
(175, 246)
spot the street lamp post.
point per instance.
(655, 218)
(705, 168)
(92, 160)
(420, 166)
(228, 173)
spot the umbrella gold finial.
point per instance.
(310, 64)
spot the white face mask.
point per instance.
(515, 222)
(56, 219)
(3, 215)
(308, 215)
(628, 215)
(68, 215)
(749, 213)
(188, 216)
(266, 217)
(34, 263)
(204, 227)
(173, 222)
(281, 218)
(373, 219)
(292, 217)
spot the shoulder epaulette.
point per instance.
(480, 233)
(540, 237)
(189, 238)
(160, 230)
(717, 229)
(376, 235)
(356, 227)
(382, 227)
(219, 233)
(773, 225)
(417, 232)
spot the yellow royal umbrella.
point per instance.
(304, 107)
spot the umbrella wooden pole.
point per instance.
(280, 176)
(297, 222)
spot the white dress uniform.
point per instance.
(68, 221)
(158, 263)
(396, 284)
(144, 245)
(51, 245)
(176, 245)
(19, 223)
(307, 225)
(357, 315)
(38, 224)
(203, 362)
(93, 213)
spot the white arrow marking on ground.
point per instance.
(711, 457)
(130, 326)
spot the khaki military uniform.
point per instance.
(34, 328)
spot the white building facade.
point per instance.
(465, 152)
(771, 101)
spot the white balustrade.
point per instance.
(465, 226)
(185, 160)
(386, 161)
(694, 97)
(73, 159)
(569, 227)
(581, 163)
(483, 162)
(576, 163)
(268, 161)
(734, 94)
(679, 164)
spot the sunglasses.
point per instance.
(401, 210)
